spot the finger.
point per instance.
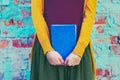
(75, 62)
(69, 63)
(66, 61)
(58, 62)
(53, 63)
(61, 60)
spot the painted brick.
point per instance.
(99, 72)
(23, 42)
(100, 19)
(17, 32)
(4, 43)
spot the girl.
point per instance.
(47, 64)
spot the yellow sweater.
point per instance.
(37, 9)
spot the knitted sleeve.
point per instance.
(40, 25)
(86, 28)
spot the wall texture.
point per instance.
(17, 32)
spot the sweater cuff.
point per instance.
(79, 49)
(46, 46)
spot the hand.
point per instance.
(72, 60)
(54, 58)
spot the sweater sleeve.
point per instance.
(86, 28)
(40, 25)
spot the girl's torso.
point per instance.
(64, 12)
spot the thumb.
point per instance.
(66, 61)
(61, 60)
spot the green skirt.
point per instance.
(42, 70)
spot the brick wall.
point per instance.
(106, 39)
(17, 32)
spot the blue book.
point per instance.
(63, 38)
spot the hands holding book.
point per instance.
(63, 39)
(55, 58)
(72, 60)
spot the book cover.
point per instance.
(63, 38)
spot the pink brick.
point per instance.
(16, 43)
(116, 49)
(23, 2)
(5, 32)
(9, 22)
(19, 23)
(24, 43)
(113, 40)
(107, 73)
(100, 19)
(99, 29)
(4, 43)
(99, 72)
(25, 13)
(17, 1)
